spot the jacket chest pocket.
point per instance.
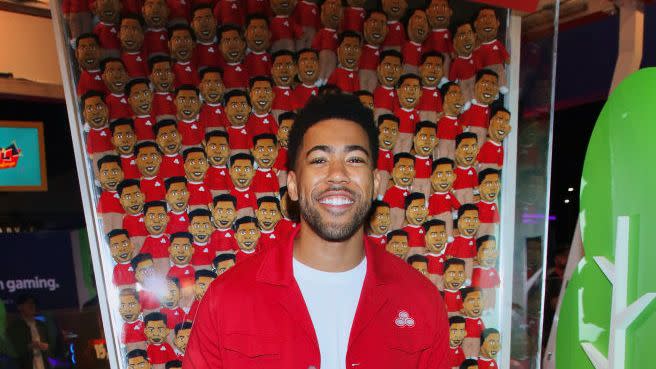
(405, 349)
(248, 351)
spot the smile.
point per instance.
(336, 201)
(186, 112)
(181, 258)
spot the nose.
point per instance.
(337, 172)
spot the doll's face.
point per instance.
(187, 104)
(499, 126)
(308, 68)
(241, 173)
(380, 220)
(169, 140)
(468, 223)
(155, 13)
(124, 139)
(88, 53)
(375, 29)
(283, 70)
(283, 131)
(141, 99)
(283, 7)
(487, 254)
(424, 141)
(148, 161)
(224, 214)
(431, 71)
(388, 71)
(232, 46)
(181, 339)
(172, 297)
(418, 26)
(201, 228)
(144, 271)
(115, 77)
(471, 305)
(489, 187)
(258, 35)
(181, 45)
(348, 52)
(436, 238)
(421, 267)
(398, 246)
(454, 277)
(195, 166)
(453, 101)
(395, 9)
(131, 35)
(487, 25)
(129, 308)
(367, 101)
(442, 178)
(217, 150)
(491, 346)
(156, 331)
(201, 286)
(180, 251)
(121, 248)
(204, 25)
(409, 93)
(211, 88)
(265, 153)
(138, 362)
(466, 152)
(439, 14)
(177, 197)
(261, 97)
(162, 76)
(464, 40)
(457, 334)
(247, 236)
(107, 11)
(132, 200)
(268, 216)
(388, 132)
(237, 109)
(109, 175)
(403, 173)
(331, 14)
(416, 212)
(486, 89)
(223, 266)
(156, 220)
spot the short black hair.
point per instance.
(120, 122)
(156, 59)
(187, 87)
(453, 261)
(464, 207)
(349, 33)
(391, 52)
(307, 50)
(486, 172)
(137, 353)
(486, 332)
(396, 232)
(444, 89)
(425, 124)
(136, 17)
(286, 116)
(244, 220)
(235, 93)
(199, 213)
(330, 89)
(407, 76)
(442, 161)
(205, 70)
(155, 316)
(465, 135)
(486, 72)
(201, 6)
(130, 292)
(378, 204)
(417, 258)
(145, 144)
(456, 319)
(178, 179)
(85, 36)
(282, 52)
(186, 235)
(180, 326)
(271, 199)
(432, 223)
(225, 197)
(89, 94)
(111, 59)
(217, 133)
(467, 290)
(227, 28)
(496, 108)
(481, 240)
(192, 150)
(204, 273)
(468, 363)
(431, 54)
(174, 363)
(384, 117)
(223, 257)
(154, 204)
(265, 136)
(241, 156)
(412, 197)
(164, 123)
(360, 93)
(109, 159)
(375, 10)
(127, 183)
(403, 155)
(117, 232)
(140, 258)
(252, 81)
(182, 27)
(255, 16)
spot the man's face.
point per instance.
(487, 25)
(425, 141)
(261, 97)
(148, 161)
(162, 76)
(466, 152)
(395, 9)
(283, 7)
(131, 35)
(308, 68)
(418, 26)
(187, 104)
(180, 251)
(380, 220)
(258, 36)
(489, 187)
(454, 277)
(334, 179)
(247, 236)
(389, 70)
(232, 46)
(217, 150)
(177, 197)
(88, 53)
(195, 166)
(132, 200)
(409, 93)
(204, 25)
(181, 339)
(486, 89)
(468, 223)
(457, 334)
(156, 220)
(472, 304)
(211, 87)
(398, 246)
(283, 71)
(241, 173)
(223, 266)
(403, 173)
(95, 113)
(348, 52)
(172, 297)
(265, 153)
(169, 140)
(141, 99)
(115, 77)
(431, 71)
(109, 175)
(268, 216)
(453, 101)
(155, 13)
(367, 101)
(464, 40)
(491, 346)
(181, 45)
(138, 362)
(436, 238)
(144, 271)
(283, 132)
(107, 11)
(224, 214)
(331, 14)
(421, 267)
(121, 248)
(487, 254)
(156, 331)
(237, 110)
(124, 139)
(388, 132)
(442, 178)
(439, 14)
(129, 308)
(201, 228)
(499, 126)
(201, 286)
(375, 29)
(416, 212)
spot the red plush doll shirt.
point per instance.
(212, 116)
(283, 99)
(306, 14)
(478, 115)
(369, 58)
(240, 138)
(442, 202)
(186, 73)
(207, 54)
(325, 39)
(462, 247)
(235, 75)
(491, 153)
(224, 240)
(90, 80)
(109, 203)
(491, 53)
(488, 212)
(172, 166)
(160, 353)
(199, 193)
(395, 196)
(439, 40)
(416, 235)
(258, 63)
(423, 166)
(395, 34)
(229, 12)
(430, 100)
(143, 127)
(452, 300)
(346, 79)
(153, 188)
(265, 180)
(133, 332)
(448, 128)
(163, 103)
(411, 53)
(129, 166)
(462, 68)
(136, 63)
(178, 222)
(134, 224)
(192, 132)
(108, 35)
(99, 140)
(408, 119)
(353, 19)
(123, 275)
(118, 106)
(385, 98)
(261, 124)
(156, 246)
(185, 274)
(465, 178)
(385, 160)
(156, 41)
(303, 93)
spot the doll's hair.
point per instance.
(156, 59)
(478, 13)
(496, 108)
(283, 191)
(486, 172)
(241, 156)
(403, 155)
(203, 71)
(134, 16)
(431, 54)
(360, 93)
(89, 94)
(453, 261)
(391, 52)
(282, 52)
(268, 199)
(486, 332)
(217, 133)
(286, 116)
(481, 240)
(407, 76)
(375, 10)
(225, 197)
(154, 317)
(204, 273)
(223, 257)
(110, 59)
(130, 292)
(186, 235)
(425, 124)
(133, 82)
(182, 326)
(174, 280)
(464, 292)
(199, 213)
(433, 223)
(85, 36)
(468, 363)
(109, 159)
(154, 204)
(396, 232)
(265, 136)
(255, 79)
(307, 50)
(171, 364)
(390, 117)
(330, 89)
(457, 319)
(454, 28)
(349, 34)
(256, 16)
(187, 87)
(244, 220)
(412, 197)
(117, 232)
(127, 183)
(120, 122)
(201, 6)
(192, 150)
(446, 87)
(164, 123)
(486, 72)
(137, 353)
(442, 161)
(227, 28)
(417, 258)
(182, 27)
(378, 204)
(170, 181)
(145, 144)
(235, 93)
(465, 207)
(409, 13)
(140, 258)
(465, 135)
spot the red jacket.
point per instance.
(254, 316)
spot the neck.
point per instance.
(328, 256)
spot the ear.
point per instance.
(377, 183)
(292, 186)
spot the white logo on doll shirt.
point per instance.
(286, 24)
(234, 6)
(181, 219)
(97, 78)
(286, 93)
(187, 69)
(243, 131)
(404, 320)
(495, 48)
(169, 98)
(103, 133)
(268, 175)
(238, 69)
(112, 30)
(162, 37)
(206, 250)
(149, 123)
(157, 184)
(162, 240)
(387, 156)
(186, 272)
(435, 94)
(265, 58)
(123, 101)
(227, 235)
(130, 269)
(265, 121)
(210, 50)
(194, 126)
(398, 27)
(201, 189)
(139, 59)
(471, 172)
(176, 161)
(446, 36)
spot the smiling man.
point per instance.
(328, 297)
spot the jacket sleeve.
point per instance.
(436, 357)
(204, 347)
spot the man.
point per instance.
(329, 295)
(29, 336)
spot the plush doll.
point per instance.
(132, 335)
(490, 347)
(388, 73)
(435, 237)
(182, 44)
(466, 175)
(162, 78)
(156, 330)
(171, 303)
(477, 116)
(283, 72)
(149, 160)
(233, 48)
(156, 37)
(439, 40)
(443, 202)
(157, 243)
(491, 153)
(403, 175)
(366, 98)
(454, 279)
(138, 358)
(412, 49)
(241, 174)
(307, 19)
(258, 39)
(77, 16)
(397, 243)
(150, 286)
(238, 108)
(261, 121)
(123, 140)
(229, 12)
(132, 201)
(122, 252)
(265, 152)
(375, 31)
(203, 279)
(223, 262)
(211, 88)
(180, 253)
(416, 212)
(408, 90)
(268, 216)
(280, 165)
(464, 244)
(419, 263)
(87, 54)
(201, 228)
(431, 71)
(224, 213)
(140, 98)
(195, 167)
(423, 143)
(327, 40)
(247, 235)
(491, 53)
(180, 11)
(96, 116)
(388, 131)
(187, 104)
(284, 28)
(485, 275)
(108, 13)
(177, 198)
(169, 141)
(488, 210)
(207, 45)
(472, 308)
(457, 334)
(354, 15)
(449, 127)
(463, 66)
(131, 37)
(469, 364)
(345, 76)
(109, 207)
(379, 223)
(217, 150)
(395, 10)
(308, 75)
(181, 332)
(115, 77)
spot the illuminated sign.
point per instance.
(22, 157)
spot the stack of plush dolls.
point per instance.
(187, 107)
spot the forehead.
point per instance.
(257, 23)
(140, 86)
(433, 60)
(233, 33)
(181, 33)
(242, 163)
(218, 139)
(211, 76)
(200, 219)
(264, 142)
(147, 150)
(156, 209)
(237, 99)
(470, 213)
(130, 22)
(378, 16)
(108, 165)
(202, 12)
(464, 28)
(417, 202)
(502, 115)
(382, 209)
(87, 41)
(155, 322)
(399, 238)
(287, 122)
(204, 280)
(247, 225)
(164, 64)
(127, 297)
(455, 266)
(225, 204)
(308, 55)
(405, 161)
(427, 130)
(487, 13)
(388, 122)
(177, 186)
(488, 78)
(145, 263)
(131, 189)
(443, 168)
(473, 295)
(167, 128)
(418, 13)
(260, 84)
(351, 40)
(468, 141)
(268, 205)
(118, 238)
(123, 128)
(410, 81)
(437, 228)
(186, 93)
(391, 59)
(457, 325)
(283, 59)
(196, 155)
(489, 244)
(491, 177)
(335, 133)
(180, 240)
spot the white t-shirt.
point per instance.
(331, 299)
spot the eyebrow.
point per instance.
(330, 149)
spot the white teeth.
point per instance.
(336, 201)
